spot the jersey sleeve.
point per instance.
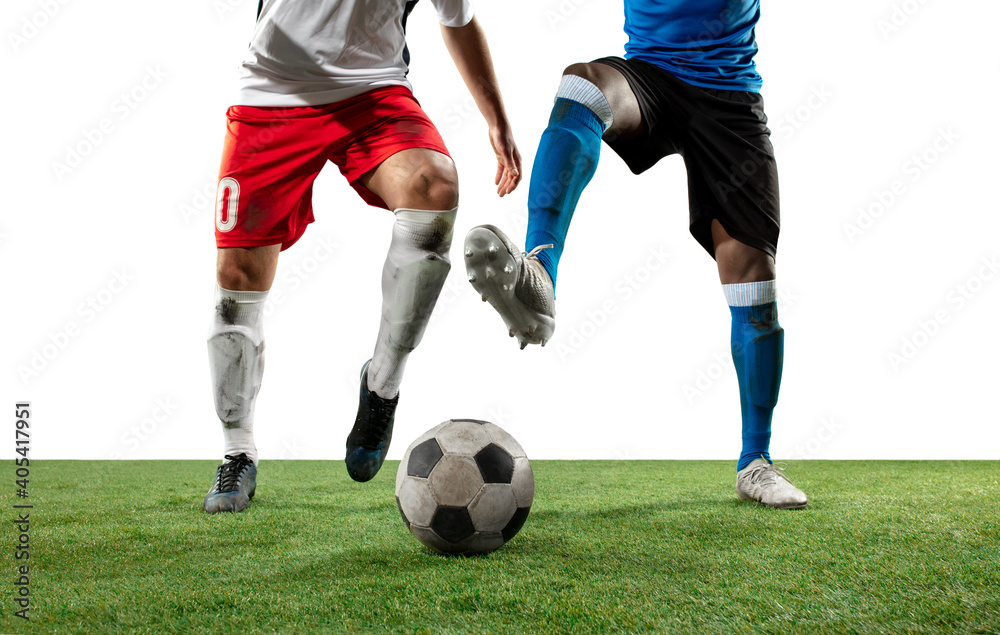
(453, 12)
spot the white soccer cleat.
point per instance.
(763, 482)
(514, 283)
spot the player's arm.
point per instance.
(468, 48)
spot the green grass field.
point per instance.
(610, 546)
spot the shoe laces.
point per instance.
(534, 252)
(380, 413)
(767, 473)
(230, 472)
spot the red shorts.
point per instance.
(272, 156)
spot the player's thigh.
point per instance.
(616, 89)
(247, 268)
(416, 178)
(270, 159)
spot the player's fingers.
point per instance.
(509, 183)
(515, 180)
(496, 180)
(513, 163)
(502, 185)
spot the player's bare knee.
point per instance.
(626, 121)
(582, 69)
(442, 193)
(238, 273)
(436, 185)
(596, 74)
(740, 270)
(232, 276)
(739, 263)
(247, 268)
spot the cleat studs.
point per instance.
(506, 287)
(511, 333)
(472, 277)
(493, 248)
(507, 268)
(490, 275)
(485, 298)
(544, 342)
(468, 252)
(523, 344)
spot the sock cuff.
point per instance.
(243, 307)
(575, 88)
(424, 226)
(750, 293)
(243, 297)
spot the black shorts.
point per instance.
(724, 140)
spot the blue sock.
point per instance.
(564, 164)
(758, 344)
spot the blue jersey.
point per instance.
(708, 43)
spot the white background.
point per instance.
(885, 356)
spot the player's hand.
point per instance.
(508, 160)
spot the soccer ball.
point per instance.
(465, 487)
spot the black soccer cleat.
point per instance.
(234, 486)
(368, 442)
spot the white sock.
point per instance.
(576, 88)
(414, 272)
(750, 293)
(236, 359)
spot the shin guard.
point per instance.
(565, 162)
(236, 360)
(414, 273)
(758, 344)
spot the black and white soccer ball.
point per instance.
(464, 486)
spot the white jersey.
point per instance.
(312, 52)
